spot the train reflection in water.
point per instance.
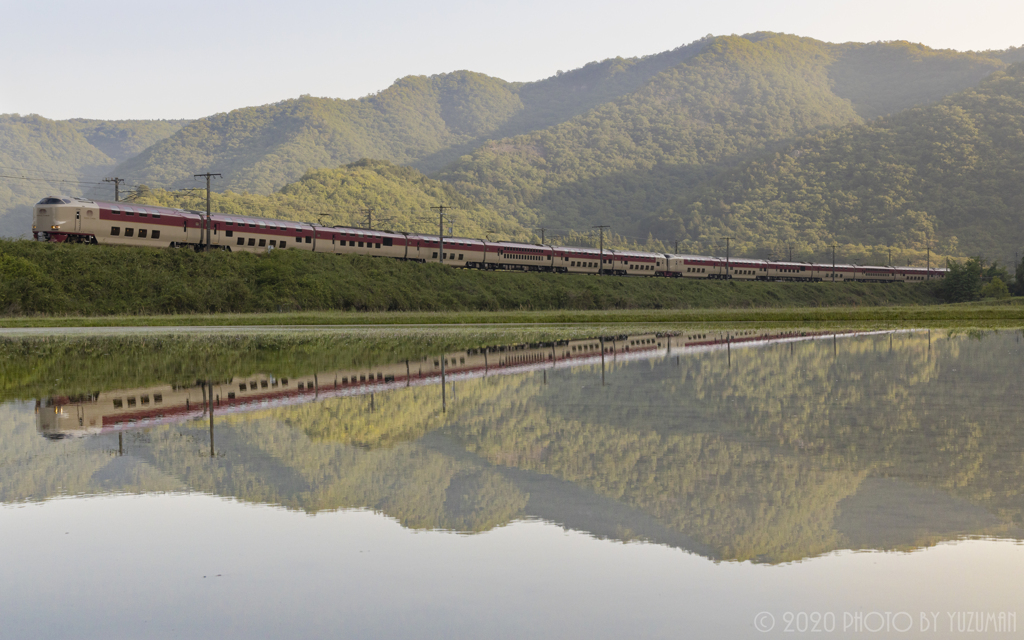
(117, 410)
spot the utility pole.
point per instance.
(542, 230)
(928, 273)
(677, 247)
(208, 225)
(789, 245)
(440, 230)
(833, 245)
(601, 228)
(117, 187)
(368, 212)
(890, 256)
(728, 273)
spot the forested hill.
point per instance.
(949, 174)
(400, 197)
(425, 122)
(39, 156)
(738, 98)
(429, 122)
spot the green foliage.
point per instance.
(963, 281)
(122, 139)
(107, 280)
(41, 157)
(947, 174)
(47, 152)
(996, 288)
(24, 288)
(400, 196)
(881, 78)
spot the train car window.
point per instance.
(351, 243)
(156, 215)
(241, 241)
(388, 242)
(252, 242)
(115, 231)
(129, 213)
(273, 243)
(263, 225)
(131, 402)
(118, 403)
(460, 256)
(142, 233)
(228, 232)
(229, 223)
(435, 255)
(360, 244)
(129, 233)
(283, 244)
(309, 239)
(263, 242)
(377, 246)
(252, 224)
(143, 213)
(158, 398)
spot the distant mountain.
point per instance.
(123, 139)
(627, 142)
(948, 175)
(739, 97)
(39, 156)
(422, 121)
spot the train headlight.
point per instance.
(55, 226)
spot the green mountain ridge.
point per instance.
(629, 142)
(945, 175)
(39, 156)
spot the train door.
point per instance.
(78, 220)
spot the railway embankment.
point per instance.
(38, 279)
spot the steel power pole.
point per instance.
(542, 230)
(440, 230)
(728, 270)
(833, 245)
(208, 225)
(677, 248)
(117, 187)
(601, 228)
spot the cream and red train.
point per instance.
(64, 219)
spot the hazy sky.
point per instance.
(115, 59)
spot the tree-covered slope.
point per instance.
(422, 121)
(737, 98)
(39, 156)
(949, 174)
(625, 157)
(123, 139)
(401, 199)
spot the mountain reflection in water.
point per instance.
(768, 446)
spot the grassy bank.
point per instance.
(1004, 314)
(67, 280)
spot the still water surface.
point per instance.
(705, 484)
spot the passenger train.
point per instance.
(66, 219)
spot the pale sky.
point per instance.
(119, 59)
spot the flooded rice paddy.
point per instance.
(702, 482)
